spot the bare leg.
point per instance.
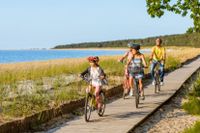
(97, 91)
(131, 85)
(141, 87)
(131, 82)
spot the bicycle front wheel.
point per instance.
(88, 107)
(136, 93)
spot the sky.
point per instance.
(28, 24)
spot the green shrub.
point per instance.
(192, 106)
(194, 129)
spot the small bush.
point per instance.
(194, 129)
(192, 106)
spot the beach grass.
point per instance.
(11, 73)
(192, 105)
(23, 105)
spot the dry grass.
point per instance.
(183, 53)
(11, 73)
(26, 105)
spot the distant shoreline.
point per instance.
(91, 49)
(102, 48)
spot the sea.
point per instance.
(15, 56)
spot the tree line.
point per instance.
(192, 40)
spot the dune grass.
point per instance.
(192, 106)
(11, 73)
(23, 105)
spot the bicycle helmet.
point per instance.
(134, 46)
(93, 59)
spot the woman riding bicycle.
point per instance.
(126, 85)
(135, 67)
(96, 76)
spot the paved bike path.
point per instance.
(121, 115)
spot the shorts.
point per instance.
(137, 75)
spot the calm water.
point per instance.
(12, 56)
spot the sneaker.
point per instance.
(161, 83)
(154, 82)
(131, 92)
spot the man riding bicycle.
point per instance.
(158, 57)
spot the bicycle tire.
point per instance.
(157, 82)
(88, 108)
(136, 93)
(103, 101)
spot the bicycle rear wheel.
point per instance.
(155, 88)
(103, 102)
(158, 86)
(157, 82)
(88, 107)
(136, 93)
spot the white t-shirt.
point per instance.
(95, 76)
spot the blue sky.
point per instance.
(46, 23)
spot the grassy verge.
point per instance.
(194, 129)
(23, 105)
(11, 73)
(192, 106)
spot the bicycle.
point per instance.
(136, 90)
(136, 87)
(90, 102)
(126, 87)
(157, 87)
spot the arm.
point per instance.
(144, 61)
(128, 63)
(164, 56)
(125, 56)
(84, 73)
(102, 74)
(152, 54)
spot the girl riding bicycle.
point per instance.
(135, 67)
(96, 76)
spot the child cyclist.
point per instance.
(135, 67)
(95, 76)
